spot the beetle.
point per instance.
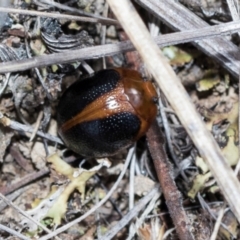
(107, 112)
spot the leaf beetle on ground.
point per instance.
(107, 112)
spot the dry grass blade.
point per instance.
(178, 98)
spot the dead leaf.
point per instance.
(142, 185)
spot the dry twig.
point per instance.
(233, 9)
(25, 214)
(7, 122)
(59, 16)
(13, 232)
(112, 49)
(165, 176)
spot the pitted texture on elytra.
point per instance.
(83, 92)
(106, 113)
(105, 136)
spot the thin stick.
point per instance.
(130, 215)
(111, 200)
(31, 177)
(25, 215)
(11, 197)
(37, 125)
(71, 9)
(7, 122)
(5, 83)
(233, 9)
(13, 232)
(179, 100)
(165, 176)
(131, 183)
(58, 16)
(140, 220)
(5, 190)
(167, 132)
(112, 49)
(218, 223)
(20, 159)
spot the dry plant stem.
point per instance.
(40, 78)
(112, 49)
(58, 16)
(28, 179)
(178, 17)
(24, 181)
(131, 214)
(103, 32)
(233, 9)
(167, 131)
(141, 219)
(92, 210)
(5, 83)
(71, 9)
(218, 223)
(111, 200)
(25, 215)
(167, 233)
(7, 122)
(22, 162)
(11, 197)
(179, 100)
(11, 231)
(238, 164)
(131, 183)
(165, 176)
(206, 207)
(37, 125)
(87, 67)
(97, 215)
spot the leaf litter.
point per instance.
(61, 195)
